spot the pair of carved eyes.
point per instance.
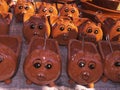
(67, 10)
(50, 10)
(38, 65)
(91, 65)
(32, 26)
(21, 7)
(89, 30)
(63, 28)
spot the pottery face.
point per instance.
(70, 10)
(42, 67)
(115, 32)
(112, 66)
(3, 6)
(7, 63)
(36, 26)
(91, 32)
(23, 8)
(47, 9)
(63, 31)
(87, 68)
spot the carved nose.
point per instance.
(65, 36)
(36, 34)
(41, 75)
(85, 75)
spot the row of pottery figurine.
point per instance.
(43, 58)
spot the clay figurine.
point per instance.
(9, 52)
(110, 52)
(47, 9)
(63, 30)
(84, 63)
(23, 7)
(90, 31)
(35, 26)
(42, 65)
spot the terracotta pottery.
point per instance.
(70, 10)
(110, 52)
(4, 6)
(47, 9)
(90, 31)
(35, 26)
(9, 52)
(23, 7)
(63, 30)
(84, 63)
(63, 1)
(5, 20)
(42, 65)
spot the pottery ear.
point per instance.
(53, 20)
(99, 24)
(73, 47)
(37, 5)
(7, 17)
(104, 48)
(59, 6)
(27, 16)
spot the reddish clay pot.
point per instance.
(5, 20)
(63, 1)
(47, 9)
(36, 26)
(23, 7)
(42, 65)
(86, 61)
(70, 10)
(111, 58)
(89, 31)
(3, 6)
(63, 30)
(110, 26)
(9, 52)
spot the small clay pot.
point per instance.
(110, 52)
(63, 30)
(36, 26)
(42, 65)
(70, 10)
(90, 31)
(23, 7)
(47, 9)
(84, 63)
(5, 20)
(9, 51)
(4, 6)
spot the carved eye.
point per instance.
(66, 10)
(96, 31)
(44, 9)
(32, 26)
(73, 11)
(117, 64)
(81, 64)
(26, 8)
(92, 65)
(40, 27)
(118, 29)
(69, 29)
(62, 28)
(48, 66)
(37, 63)
(51, 10)
(1, 59)
(20, 7)
(89, 30)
